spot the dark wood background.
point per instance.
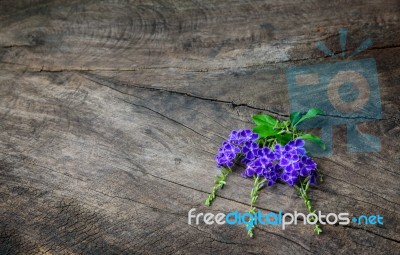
(112, 111)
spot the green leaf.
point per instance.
(310, 114)
(265, 131)
(314, 139)
(283, 138)
(263, 119)
(295, 117)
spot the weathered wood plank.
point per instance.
(97, 149)
(111, 114)
(130, 35)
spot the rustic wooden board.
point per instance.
(111, 113)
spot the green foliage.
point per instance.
(272, 131)
(257, 186)
(284, 138)
(310, 114)
(302, 190)
(265, 130)
(263, 119)
(219, 181)
(295, 117)
(313, 138)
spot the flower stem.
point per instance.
(257, 186)
(220, 181)
(304, 187)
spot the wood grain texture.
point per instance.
(111, 112)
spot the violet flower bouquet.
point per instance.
(272, 152)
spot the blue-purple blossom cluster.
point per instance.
(239, 142)
(286, 163)
(294, 162)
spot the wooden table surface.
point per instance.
(112, 111)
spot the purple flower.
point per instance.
(294, 147)
(226, 154)
(234, 136)
(307, 165)
(298, 145)
(225, 159)
(250, 150)
(272, 174)
(239, 141)
(290, 177)
(246, 135)
(266, 152)
(278, 151)
(295, 163)
(289, 161)
(253, 168)
(257, 167)
(264, 167)
(228, 147)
